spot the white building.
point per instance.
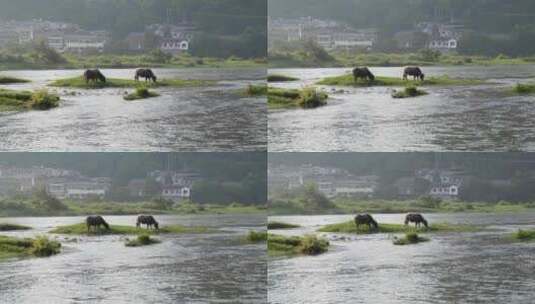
(444, 191)
(174, 46)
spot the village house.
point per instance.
(445, 184)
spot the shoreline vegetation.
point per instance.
(13, 100)
(348, 80)
(306, 98)
(296, 59)
(41, 246)
(80, 83)
(350, 227)
(81, 229)
(43, 208)
(112, 61)
(422, 205)
(309, 244)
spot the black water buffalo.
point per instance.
(94, 75)
(145, 73)
(363, 73)
(415, 218)
(365, 219)
(415, 72)
(147, 220)
(96, 221)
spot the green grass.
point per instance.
(279, 245)
(348, 80)
(142, 240)
(350, 227)
(80, 83)
(523, 89)
(256, 90)
(12, 100)
(280, 78)
(306, 98)
(523, 235)
(12, 227)
(408, 92)
(409, 239)
(140, 93)
(256, 236)
(280, 225)
(11, 80)
(81, 229)
(41, 246)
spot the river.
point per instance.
(213, 118)
(475, 267)
(455, 118)
(184, 268)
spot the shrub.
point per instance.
(42, 247)
(312, 245)
(310, 98)
(257, 236)
(43, 100)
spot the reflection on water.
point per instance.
(186, 119)
(474, 118)
(452, 268)
(204, 268)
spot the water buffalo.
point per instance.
(365, 219)
(415, 72)
(363, 73)
(145, 73)
(147, 220)
(415, 218)
(94, 75)
(96, 221)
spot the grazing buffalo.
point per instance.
(363, 73)
(94, 75)
(365, 219)
(96, 221)
(415, 72)
(147, 220)
(415, 218)
(145, 73)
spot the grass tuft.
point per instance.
(256, 236)
(256, 90)
(141, 93)
(295, 245)
(409, 239)
(142, 240)
(524, 89)
(408, 92)
(43, 100)
(524, 235)
(41, 246)
(290, 98)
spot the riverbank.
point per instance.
(296, 60)
(110, 61)
(23, 207)
(292, 207)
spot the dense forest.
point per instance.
(495, 26)
(223, 24)
(228, 177)
(479, 168)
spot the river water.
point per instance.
(184, 268)
(458, 118)
(214, 118)
(475, 267)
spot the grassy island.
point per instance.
(408, 92)
(12, 100)
(348, 80)
(140, 93)
(350, 227)
(280, 225)
(142, 240)
(280, 78)
(11, 80)
(12, 247)
(279, 245)
(306, 98)
(80, 83)
(81, 229)
(12, 227)
(410, 239)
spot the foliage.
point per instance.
(408, 92)
(350, 227)
(256, 90)
(524, 235)
(280, 78)
(286, 98)
(141, 93)
(10, 80)
(42, 53)
(41, 246)
(12, 227)
(43, 100)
